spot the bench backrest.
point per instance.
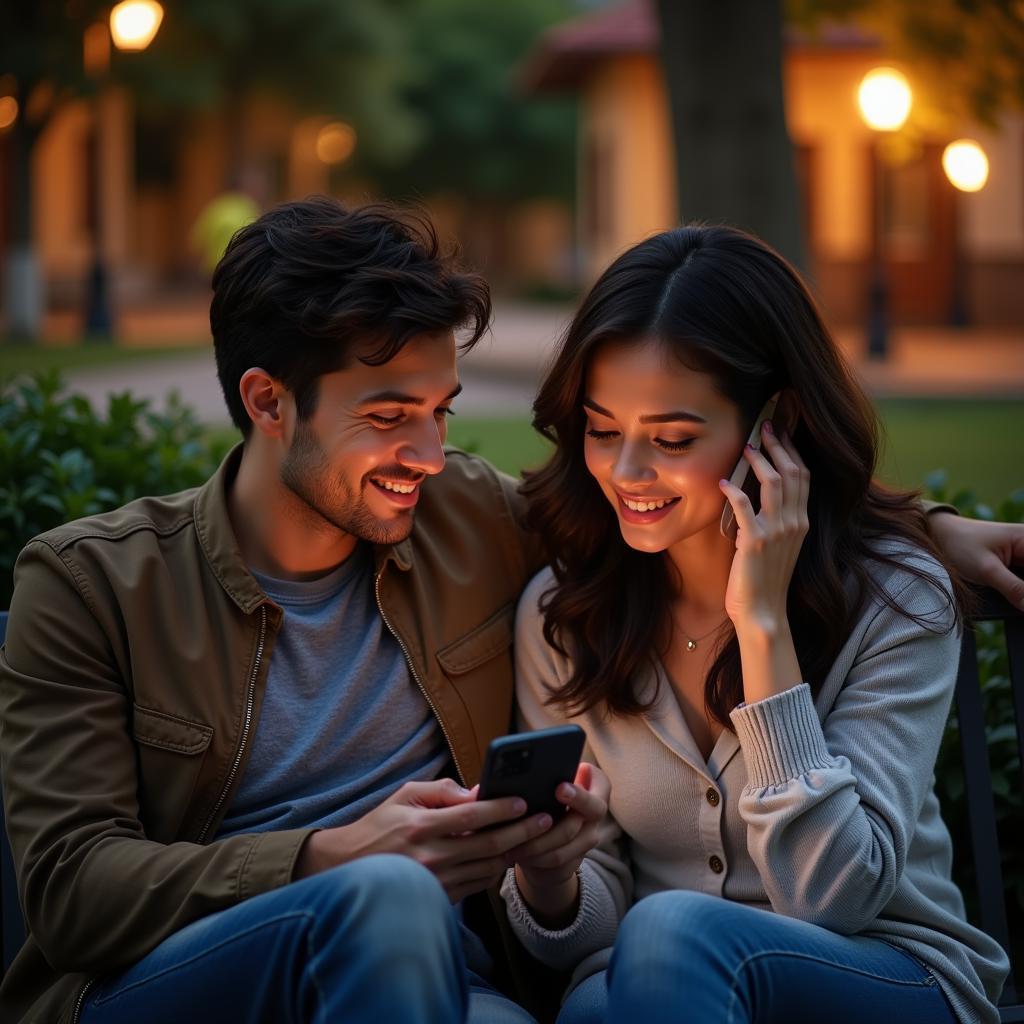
(981, 812)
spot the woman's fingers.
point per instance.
(769, 479)
(790, 470)
(741, 507)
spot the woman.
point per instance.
(767, 701)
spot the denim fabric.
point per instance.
(375, 940)
(690, 958)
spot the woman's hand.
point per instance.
(768, 543)
(546, 866)
(767, 547)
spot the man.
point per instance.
(225, 712)
(270, 679)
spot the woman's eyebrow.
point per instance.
(679, 416)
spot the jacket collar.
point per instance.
(220, 545)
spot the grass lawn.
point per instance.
(980, 444)
(25, 358)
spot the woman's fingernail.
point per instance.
(544, 821)
(568, 791)
(767, 425)
(519, 807)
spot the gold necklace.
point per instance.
(691, 642)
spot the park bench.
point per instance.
(977, 782)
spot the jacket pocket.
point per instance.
(170, 756)
(492, 637)
(478, 667)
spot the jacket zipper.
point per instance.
(249, 701)
(412, 669)
(81, 999)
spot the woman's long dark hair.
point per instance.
(724, 304)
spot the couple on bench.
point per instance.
(242, 726)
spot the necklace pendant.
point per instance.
(691, 645)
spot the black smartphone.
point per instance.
(743, 475)
(532, 765)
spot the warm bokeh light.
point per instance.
(335, 142)
(8, 111)
(966, 165)
(884, 97)
(134, 23)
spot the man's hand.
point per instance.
(437, 824)
(546, 866)
(982, 552)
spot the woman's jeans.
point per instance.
(375, 940)
(689, 958)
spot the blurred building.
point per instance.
(930, 232)
(141, 183)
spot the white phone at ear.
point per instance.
(743, 470)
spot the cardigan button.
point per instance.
(716, 865)
(712, 795)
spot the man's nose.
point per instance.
(424, 451)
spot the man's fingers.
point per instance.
(476, 814)
(438, 793)
(997, 576)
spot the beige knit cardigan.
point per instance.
(822, 809)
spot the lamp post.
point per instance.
(884, 98)
(966, 167)
(133, 24)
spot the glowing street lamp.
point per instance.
(133, 25)
(966, 166)
(885, 99)
(8, 111)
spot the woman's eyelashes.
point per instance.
(661, 442)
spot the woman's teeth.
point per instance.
(647, 506)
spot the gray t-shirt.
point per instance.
(343, 723)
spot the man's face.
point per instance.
(357, 463)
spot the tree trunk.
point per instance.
(23, 291)
(734, 161)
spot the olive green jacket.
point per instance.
(130, 690)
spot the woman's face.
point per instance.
(658, 439)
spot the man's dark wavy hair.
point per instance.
(723, 303)
(312, 285)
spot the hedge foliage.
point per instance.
(60, 459)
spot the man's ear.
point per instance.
(267, 401)
(787, 412)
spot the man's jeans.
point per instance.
(375, 940)
(689, 958)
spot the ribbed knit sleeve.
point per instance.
(830, 811)
(606, 881)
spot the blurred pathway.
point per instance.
(501, 373)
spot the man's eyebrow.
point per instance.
(679, 416)
(401, 398)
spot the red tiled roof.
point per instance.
(567, 53)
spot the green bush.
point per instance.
(1004, 760)
(60, 459)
